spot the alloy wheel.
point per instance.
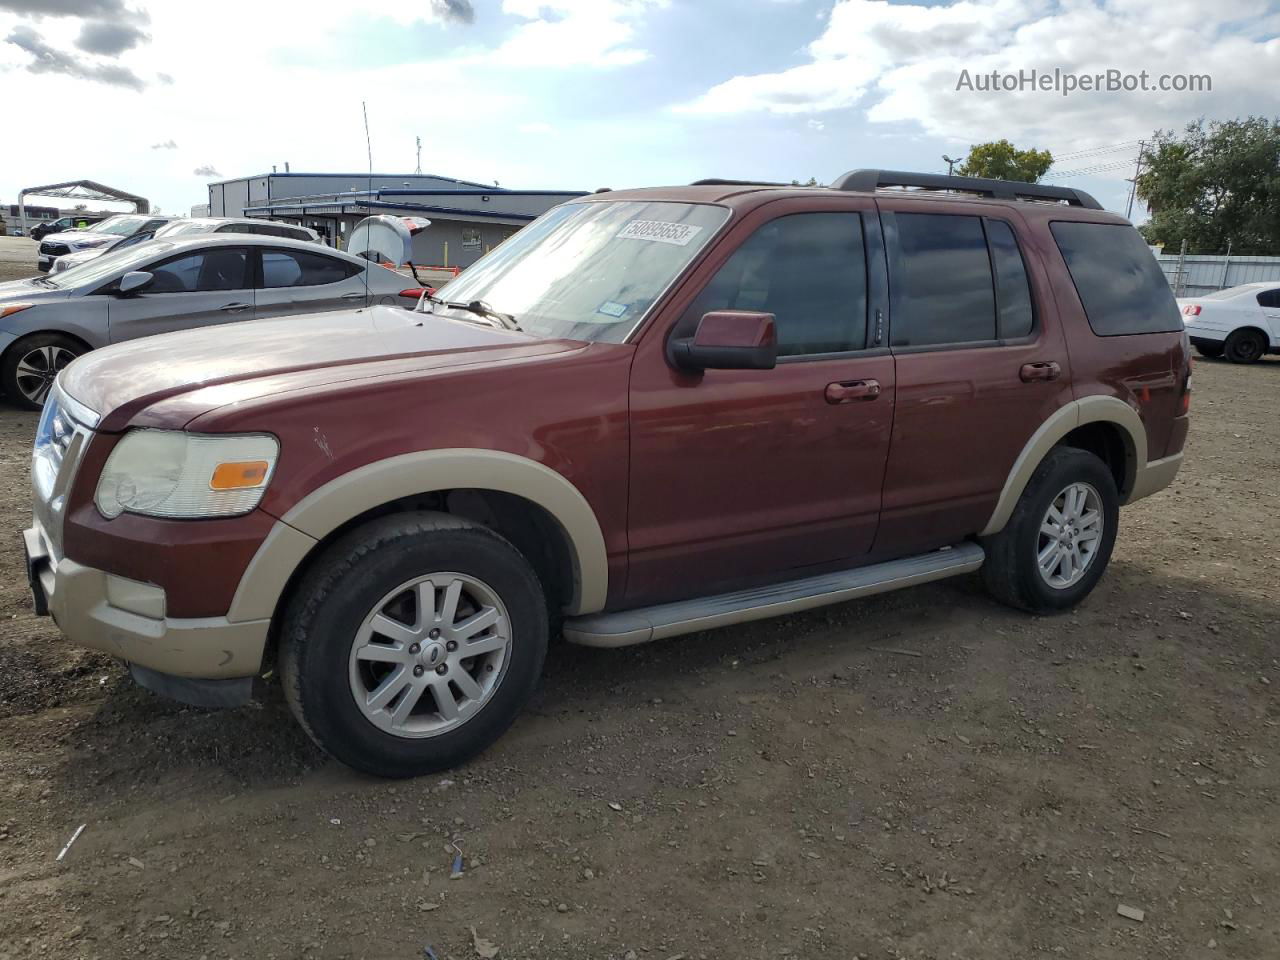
(430, 655)
(1070, 535)
(38, 369)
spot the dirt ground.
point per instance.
(921, 775)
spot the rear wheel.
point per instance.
(413, 644)
(1058, 540)
(1245, 346)
(32, 364)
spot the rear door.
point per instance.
(196, 288)
(980, 365)
(1269, 301)
(305, 281)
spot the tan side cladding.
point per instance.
(1064, 420)
(329, 507)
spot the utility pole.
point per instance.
(950, 163)
(1133, 184)
(418, 169)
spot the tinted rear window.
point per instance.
(1120, 284)
(942, 290)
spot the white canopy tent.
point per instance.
(79, 190)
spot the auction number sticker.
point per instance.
(659, 230)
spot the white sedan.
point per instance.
(1240, 323)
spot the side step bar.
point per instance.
(643, 624)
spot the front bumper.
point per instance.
(44, 263)
(126, 619)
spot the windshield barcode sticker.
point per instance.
(659, 230)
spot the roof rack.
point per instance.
(868, 181)
(717, 182)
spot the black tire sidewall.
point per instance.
(1062, 468)
(17, 350)
(327, 630)
(1234, 342)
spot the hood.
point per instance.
(29, 291)
(240, 361)
(73, 237)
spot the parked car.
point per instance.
(189, 227)
(163, 285)
(69, 260)
(264, 228)
(1240, 323)
(649, 413)
(101, 235)
(74, 222)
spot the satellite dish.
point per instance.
(385, 239)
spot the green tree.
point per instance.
(1214, 186)
(1001, 160)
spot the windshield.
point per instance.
(589, 270)
(119, 226)
(94, 271)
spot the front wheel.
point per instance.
(1058, 540)
(413, 644)
(32, 365)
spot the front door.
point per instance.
(195, 289)
(743, 476)
(302, 281)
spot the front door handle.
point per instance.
(849, 390)
(235, 307)
(1042, 370)
(353, 296)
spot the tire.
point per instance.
(31, 364)
(1012, 571)
(1245, 346)
(329, 658)
(1211, 350)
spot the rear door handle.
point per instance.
(1041, 370)
(235, 307)
(849, 390)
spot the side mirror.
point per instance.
(135, 281)
(728, 340)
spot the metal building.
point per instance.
(467, 218)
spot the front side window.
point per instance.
(297, 268)
(589, 270)
(1121, 287)
(942, 285)
(220, 269)
(807, 269)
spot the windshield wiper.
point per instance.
(481, 309)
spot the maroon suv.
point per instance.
(649, 413)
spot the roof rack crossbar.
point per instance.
(868, 181)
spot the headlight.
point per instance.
(169, 473)
(90, 242)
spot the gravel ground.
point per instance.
(920, 775)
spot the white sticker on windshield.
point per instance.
(659, 230)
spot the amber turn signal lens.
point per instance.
(239, 476)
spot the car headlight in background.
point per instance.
(86, 242)
(170, 473)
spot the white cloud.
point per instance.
(537, 127)
(567, 33)
(901, 62)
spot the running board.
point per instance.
(641, 625)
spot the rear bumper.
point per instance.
(125, 618)
(1200, 335)
(1155, 476)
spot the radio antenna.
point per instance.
(368, 197)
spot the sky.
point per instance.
(161, 97)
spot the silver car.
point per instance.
(175, 284)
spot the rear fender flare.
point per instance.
(1063, 420)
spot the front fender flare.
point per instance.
(368, 487)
